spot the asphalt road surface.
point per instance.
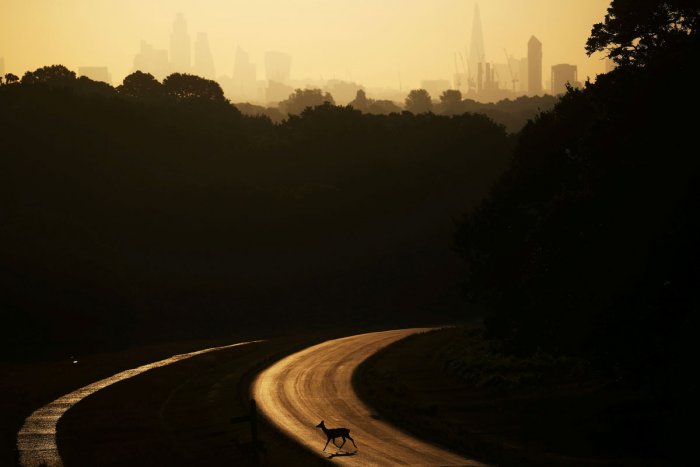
(36, 440)
(302, 389)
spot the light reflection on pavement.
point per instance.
(316, 384)
(36, 440)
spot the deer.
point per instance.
(334, 433)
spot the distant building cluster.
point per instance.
(179, 59)
(476, 76)
(483, 80)
(243, 85)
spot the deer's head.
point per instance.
(320, 425)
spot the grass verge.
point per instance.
(459, 390)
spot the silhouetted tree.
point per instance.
(11, 78)
(564, 253)
(139, 85)
(85, 85)
(303, 99)
(635, 30)
(451, 101)
(419, 102)
(186, 86)
(54, 75)
(372, 106)
(253, 110)
(213, 191)
(382, 107)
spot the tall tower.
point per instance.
(278, 67)
(203, 60)
(534, 65)
(476, 47)
(180, 54)
(244, 76)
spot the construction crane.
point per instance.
(513, 78)
(458, 75)
(470, 82)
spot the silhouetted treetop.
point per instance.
(634, 30)
(302, 99)
(451, 100)
(140, 85)
(419, 102)
(11, 78)
(186, 86)
(54, 75)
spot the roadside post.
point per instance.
(251, 418)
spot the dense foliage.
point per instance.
(159, 209)
(588, 245)
(637, 32)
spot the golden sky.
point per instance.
(367, 41)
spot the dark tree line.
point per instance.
(159, 210)
(513, 114)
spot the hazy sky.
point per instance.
(368, 41)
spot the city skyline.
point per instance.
(325, 41)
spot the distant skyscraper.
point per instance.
(153, 61)
(561, 76)
(534, 60)
(244, 76)
(278, 67)
(96, 73)
(180, 53)
(476, 46)
(203, 59)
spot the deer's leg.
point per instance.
(343, 443)
(353, 441)
(324, 447)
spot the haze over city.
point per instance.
(378, 44)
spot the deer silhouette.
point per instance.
(334, 433)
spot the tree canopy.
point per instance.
(54, 75)
(635, 30)
(419, 102)
(140, 85)
(302, 99)
(451, 101)
(186, 86)
(11, 78)
(184, 203)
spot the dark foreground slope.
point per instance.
(464, 392)
(125, 217)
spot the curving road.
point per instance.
(302, 389)
(36, 440)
